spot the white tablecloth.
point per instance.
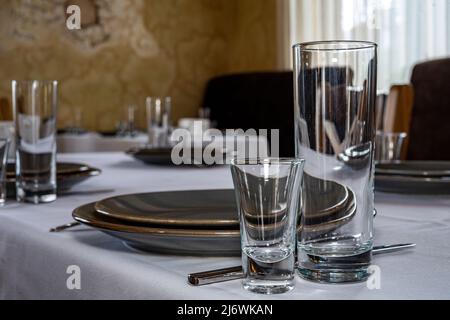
(33, 262)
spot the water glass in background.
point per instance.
(128, 127)
(268, 195)
(34, 105)
(204, 113)
(7, 133)
(389, 145)
(4, 149)
(335, 93)
(76, 126)
(158, 121)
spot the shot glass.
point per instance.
(268, 196)
(34, 105)
(4, 147)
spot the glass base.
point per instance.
(335, 276)
(36, 197)
(335, 266)
(268, 287)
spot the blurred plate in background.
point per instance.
(414, 168)
(68, 175)
(412, 185)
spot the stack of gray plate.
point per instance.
(68, 175)
(203, 222)
(413, 177)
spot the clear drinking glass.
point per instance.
(77, 122)
(268, 195)
(389, 145)
(34, 104)
(4, 147)
(335, 94)
(158, 121)
(7, 133)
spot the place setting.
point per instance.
(162, 137)
(207, 222)
(198, 222)
(407, 176)
(29, 170)
(193, 142)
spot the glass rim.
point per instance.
(28, 81)
(380, 133)
(353, 45)
(266, 160)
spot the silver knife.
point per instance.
(234, 273)
(65, 226)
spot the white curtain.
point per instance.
(407, 31)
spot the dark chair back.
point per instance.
(430, 123)
(262, 100)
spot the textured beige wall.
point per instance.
(254, 44)
(136, 48)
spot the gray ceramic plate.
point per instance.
(414, 168)
(199, 208)
(68, 175)
(200, 242)
(212, 208)
(164, 240)
(161, 156)
(412, 185)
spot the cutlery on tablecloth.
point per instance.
(65, 226)
(234, 273)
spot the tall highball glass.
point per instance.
(335, 94)
(34, 104)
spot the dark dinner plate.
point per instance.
(413, 177)
(414, 168)
(412, 184)
(203, 242)
(159, 156)
(68, 175)
(163, 156)
(174, 208)
(213, 208)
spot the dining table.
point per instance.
(38, 264)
